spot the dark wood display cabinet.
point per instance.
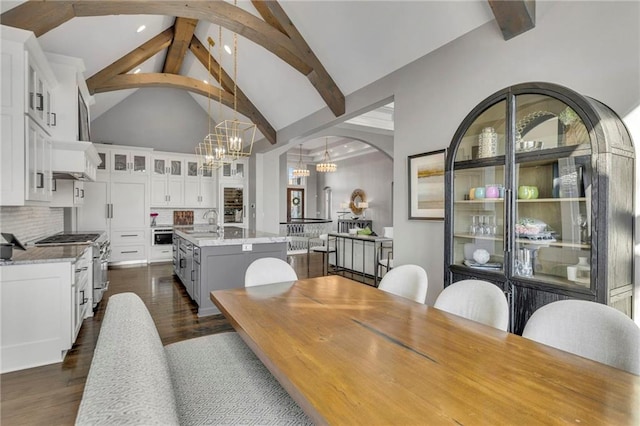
(539, 199)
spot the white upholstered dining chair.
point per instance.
(268, 270)
(409, 281)
(476, 300)
(588, 329)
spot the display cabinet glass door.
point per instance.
(478, 193)
(553, 220)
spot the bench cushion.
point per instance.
(129, 381)
(218, 380)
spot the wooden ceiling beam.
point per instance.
(289, 47)
(132, 81)
(514, 17)
(272, 12)
(226, 82)
(183, 30)
(218, 12)
(39, 17)
(131, 59)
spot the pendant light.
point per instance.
(211, 152)
(237, 135)
(326, 166)
(300, 171)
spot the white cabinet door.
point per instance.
(207, 193)
(36, 314)
(38, 178)
(159, 192)
(12, 148)
(94, 213)
(129, 209)
(175, 192)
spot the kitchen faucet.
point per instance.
(212, 216)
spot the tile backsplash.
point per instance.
(165, 216)
(30, 223)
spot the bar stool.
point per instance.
(385, 262)
(326, 249)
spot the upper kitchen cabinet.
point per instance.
(199, 185)
(27, 101)
(539, 199)
(124, 160)
(167, 180)
(237, 170)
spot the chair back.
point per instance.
(268, 270)
(408, 281)
(476, 300)
(588, 329)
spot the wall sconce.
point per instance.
(364, 206)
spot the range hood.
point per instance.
(74, 160)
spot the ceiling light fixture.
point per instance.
(141, 28)
(137, 71)
(238, 135)
(300, 170)
(326, 166)
(227, 49)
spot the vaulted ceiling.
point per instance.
(293, 57)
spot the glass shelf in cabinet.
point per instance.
(478, 237)
(479, 201)
(557, 243)
(551, 200)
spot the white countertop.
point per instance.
(202, 236)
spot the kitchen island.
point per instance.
(205, 259)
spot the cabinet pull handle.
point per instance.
(84, 299)
(55, 119)
(82, 193)
(128, 251)
(40, 180)
(129, 235)
(506, 242)
(40, 106)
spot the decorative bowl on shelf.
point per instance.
(481, 256)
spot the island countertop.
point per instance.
(203, 236)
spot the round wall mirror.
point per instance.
(357, 196)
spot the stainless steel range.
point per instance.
(101, 250)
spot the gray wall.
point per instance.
(160, 118)
(373, 173)
(591, 47)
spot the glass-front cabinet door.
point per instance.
(552, 221)
(478, 193)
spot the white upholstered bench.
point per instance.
(213, 379)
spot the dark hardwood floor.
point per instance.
(50, 395)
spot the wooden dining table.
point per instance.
(349, 353)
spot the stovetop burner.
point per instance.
(68, 239)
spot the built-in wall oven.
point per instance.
(162, 236)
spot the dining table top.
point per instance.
(349, 353)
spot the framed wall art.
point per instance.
(426, 185)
